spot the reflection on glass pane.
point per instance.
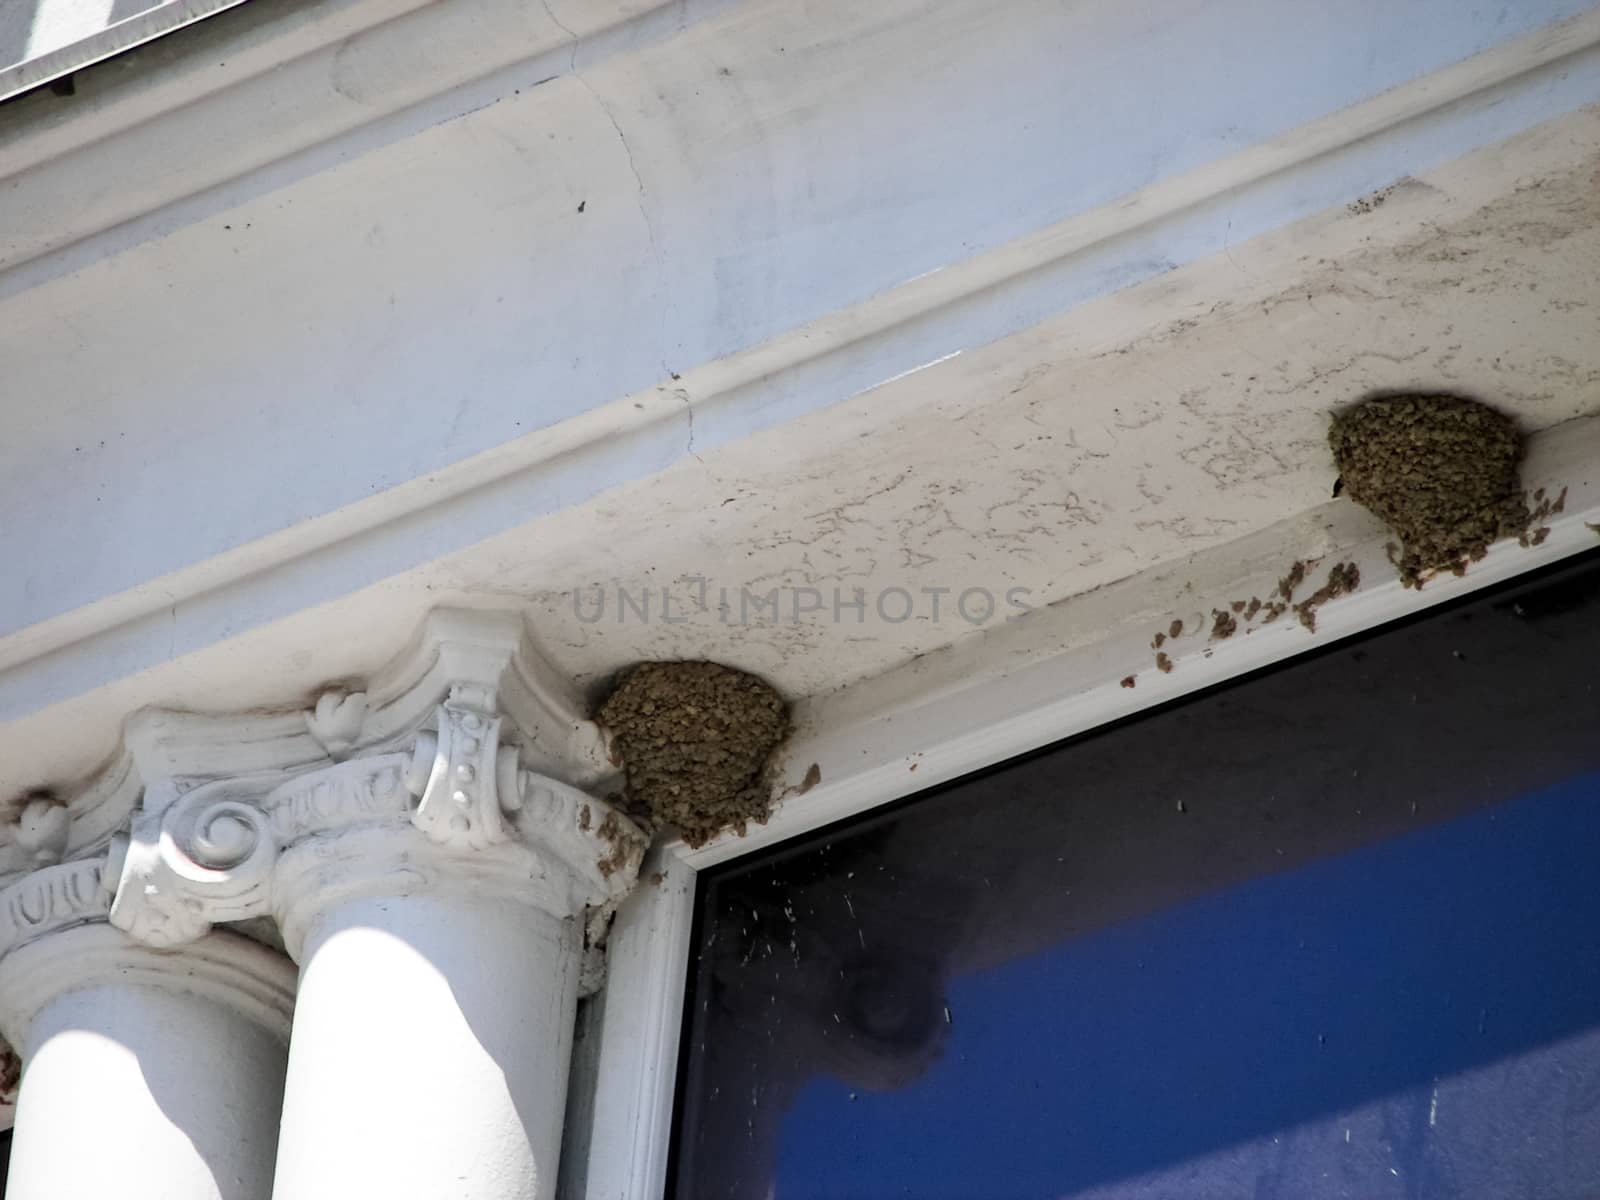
(1329, 932)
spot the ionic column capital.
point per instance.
(450, 807)
(467, 760)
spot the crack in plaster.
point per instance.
(572, 56)
(633, 167)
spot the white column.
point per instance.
(147, 1075)
(433, 894)
(430, 1051)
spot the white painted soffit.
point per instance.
(1093, 658)
(1151, 295)
(225, 421)
(1171, 426)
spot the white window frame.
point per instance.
(991, 698)
(95, 44)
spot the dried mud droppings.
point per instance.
(1440, 471)
(1544, 507)
(10, 1073)
(695, 740)
(1343, 579)
(1295, 577)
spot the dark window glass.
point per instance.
(1331, 931)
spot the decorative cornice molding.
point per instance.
(311, 48)
(825, 361)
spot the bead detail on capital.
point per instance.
(466, 781)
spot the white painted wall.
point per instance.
(281, 394)
(318, 341)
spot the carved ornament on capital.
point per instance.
(466, 783)
(444, 799)
(51, 899)
(204, 858)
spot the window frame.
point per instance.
(162, 18)
(990, 699)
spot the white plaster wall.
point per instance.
(1183, 415)
(321, 340)
(956, 293)
(1091, 446)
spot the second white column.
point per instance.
(439, 960)
(429, 1054)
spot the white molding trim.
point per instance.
(647, 969)
(998, 695)
(216, 95)
(1037, 680)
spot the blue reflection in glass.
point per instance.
(1411, 1019)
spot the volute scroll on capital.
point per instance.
(203, 858)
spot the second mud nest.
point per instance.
(695, 740)
(1441, 471)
